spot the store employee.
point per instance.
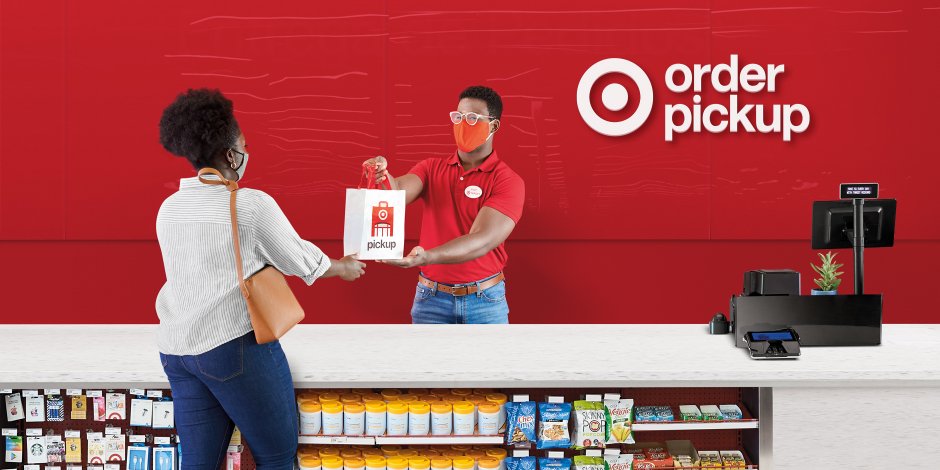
(472, 201)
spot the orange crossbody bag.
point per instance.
(272, 307)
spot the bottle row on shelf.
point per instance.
(675, 454)
(485, 417)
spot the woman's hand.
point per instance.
(348, 268)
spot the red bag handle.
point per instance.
(368, 172)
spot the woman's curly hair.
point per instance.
(199, 125)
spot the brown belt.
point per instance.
(461, 290)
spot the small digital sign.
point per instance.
(858, 191)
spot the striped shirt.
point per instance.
(201, 305)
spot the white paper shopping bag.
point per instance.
(375, 224)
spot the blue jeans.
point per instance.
(239, 383)
(486, 306)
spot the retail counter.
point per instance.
(857, 408)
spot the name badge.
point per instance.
(473, 192)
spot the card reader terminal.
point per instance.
(773, 344)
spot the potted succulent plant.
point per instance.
(829, 273)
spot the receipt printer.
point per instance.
(774, 344)
(772, 282)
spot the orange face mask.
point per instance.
(470, 137)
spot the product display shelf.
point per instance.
(474, 439)
(338, 440)
(695, 425)
(441, 440)
(747, 422)
(89, 425)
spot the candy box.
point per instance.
(731, 412)
(690, 413)
(649, 455)
(711, 413)
(732, 458)
(683, 452)
(709, 459)
(664, 413)
(645, 414)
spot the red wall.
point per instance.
(616, 229)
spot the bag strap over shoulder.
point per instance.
(232, 187)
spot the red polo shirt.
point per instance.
(453, 197)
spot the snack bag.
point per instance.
(554, 464)
(619, 462)
(619, 417)
(590, 424)
(520, 463)
(583, 462)
(553, 426)
(520, 422)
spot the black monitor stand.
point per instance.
(858, 244)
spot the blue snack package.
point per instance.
(554, 464)
(645, 413)
(664, 413)
(520, 463)
(520, 422)
(553, 426)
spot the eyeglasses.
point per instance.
(472, 118)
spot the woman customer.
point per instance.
(220, 376)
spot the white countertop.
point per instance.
(506, 356)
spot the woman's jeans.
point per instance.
(238, 383)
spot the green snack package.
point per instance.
(619, 415)
(590, 425)
(584, 462)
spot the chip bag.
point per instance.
(554, 464)
(584, 462)
(619, 418)
(520, 422)
(553, 426)
(520, 463)
(619, 462)
(590, 424)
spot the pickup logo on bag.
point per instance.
(383, 221)
(383, 218)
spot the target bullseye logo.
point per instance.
(615, 97)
